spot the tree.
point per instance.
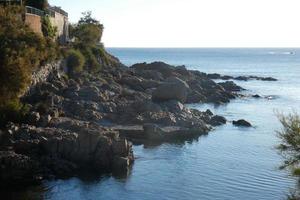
(88, 30)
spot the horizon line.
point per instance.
(204, 47)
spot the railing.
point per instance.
(34, 11)
(58, 10)
(51, 13)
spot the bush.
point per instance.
(21, 52)
(47, 28)
(75, 61)
(290, 142)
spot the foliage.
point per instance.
(47, 28)
(290, 141)
(88, 19)
(75, 61)
(40, 4)
(88, 30)
(12, 111)
(21, 52)
(87, 33)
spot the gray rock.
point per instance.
(153, 132)
(217, 120)
(33, 118)
(174, 89)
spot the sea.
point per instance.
(230, 163)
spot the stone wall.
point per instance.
(46, 72)
(34, 22)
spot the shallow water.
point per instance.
(230, 163)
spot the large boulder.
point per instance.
(217, 120)
(173, 89)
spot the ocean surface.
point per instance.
(228, 164)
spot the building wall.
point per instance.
(34, 22)
(61, 23)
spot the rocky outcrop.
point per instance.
(240, 78)
(242, 123)
(231, 86)
(87, 122)
(60, 149)
(172, 89)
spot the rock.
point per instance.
(163, 68)
(133, 82)
(256, 96)
(153, 132)
(242, 78)
(91, 93)
(217, 120)
(17, 169)
(195, 97)
(174, 89)
(44, 120)
(120, 163)
(219, 98)
(241, 122)
(48, 87)
(146, 106)
(120, 147)
(214, 76)
(268, 79)
(33, 118)
(208, 112)
(231, 86)
(173, 106)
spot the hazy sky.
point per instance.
(193, 23)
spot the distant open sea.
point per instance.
(230, 163)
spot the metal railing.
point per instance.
(34, 11)
(58, 10)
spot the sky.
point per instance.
(192, 23)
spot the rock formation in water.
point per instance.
(86, 122)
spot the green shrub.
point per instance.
(47, 28)
(290, 141)
(75, 61)
(21, 52)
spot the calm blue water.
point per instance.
(230, 163)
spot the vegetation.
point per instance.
(47, 28)
(290, 142)
(290, 146)
(75, 62)
(87, 33)
(21, 52)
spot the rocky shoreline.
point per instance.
(90, 122)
